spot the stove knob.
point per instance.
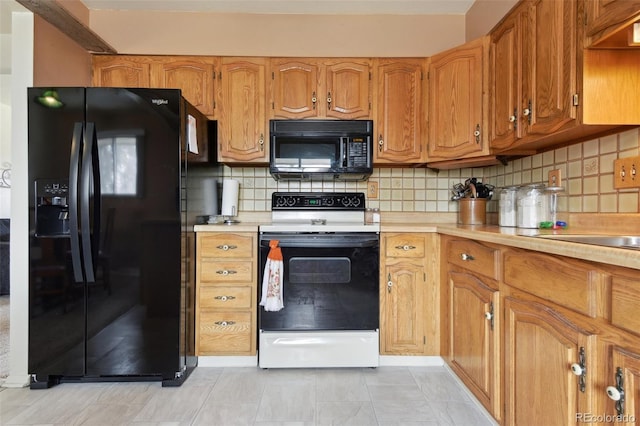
(291, 201)
(328, 201)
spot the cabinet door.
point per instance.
(401, 309)
(473, 337)
(348, 90)
(194, 76)
(295, 89)
(242, 123)
(457, 102)
(550, 67)
(607, 17)
(400, 121)
(120, 71)
(624, 376)
(540, 347)
(505, 78)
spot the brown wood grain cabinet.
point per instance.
(565, 334)
(400, 103)
(458, 102)
(403, 288)
(121, 71)
(243, 131)
(609, 22)
(337, 88)
(226, 293)
(474, 320)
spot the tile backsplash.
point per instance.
(586, 171)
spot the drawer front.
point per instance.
(224, 332)
(221, 272)
(219, 297)
(405, 245)
(475, 257)
(226, 245)
(625, 304)
(565, 281)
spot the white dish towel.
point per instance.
(272, 291)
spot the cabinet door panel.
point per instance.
(117, 71)
(194, 77)
(295, 89)
(242, 116)
(472, 337)
(456, 102)
(348, 90)
(399, 117)
(625, 365)
(401, 308)
(540, 346)
(551, 67)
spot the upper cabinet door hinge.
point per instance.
(576, 99)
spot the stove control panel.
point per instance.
(318, 201)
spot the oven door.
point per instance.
(330, 282)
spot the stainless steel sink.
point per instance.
(617, 241)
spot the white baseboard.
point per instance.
(16, 381)
(410, 361)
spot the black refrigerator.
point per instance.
(111, 294)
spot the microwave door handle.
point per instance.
(343, 150)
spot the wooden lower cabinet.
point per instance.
(542, 348)
(406, 303)
(474, 337)
(226, 293)
(622, 387)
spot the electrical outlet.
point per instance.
(625, 173)
(372, 189)
(555, 178)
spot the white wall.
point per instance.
(5, 119)
(22, 77)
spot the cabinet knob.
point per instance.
(261, 141)
(512, 119)
(405, 247)
(329, 99)
(389, 283)
(225, 272)
(576, 369)
(616, 393)
(476, 134)
(226, 247)
(314, 99)
(488, 315)
(224, 323)
(466, 257)
(380, 143)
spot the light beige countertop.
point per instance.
(625, 224)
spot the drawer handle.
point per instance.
(224, 323)
(224, 298)
(225, 272)
(580, 369)
(226, 247)
(465, 257)
(406, 247)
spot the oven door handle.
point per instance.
(329, 242)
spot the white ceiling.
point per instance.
(369, 7)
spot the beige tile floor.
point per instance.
(251, 396)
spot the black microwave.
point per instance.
(321, 149)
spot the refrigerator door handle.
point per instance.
(74, 166)
(89, 241)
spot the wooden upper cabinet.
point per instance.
(120, 71)
(537, 46)
(348, 89)
(193, 75)
(320, 88)
(458, 102)
(608, 22)
(400, 95)
(294, 91)
(241, 112)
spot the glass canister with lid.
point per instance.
(508, 205)
(533, 206)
